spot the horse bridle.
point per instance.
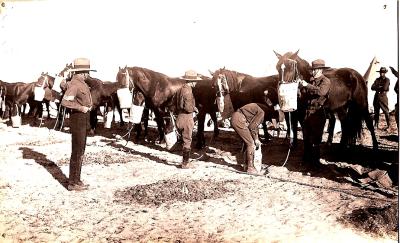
(222, 84)
(293, 65)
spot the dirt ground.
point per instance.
(138, 193)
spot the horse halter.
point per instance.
(292, 64)
(45, 80)
(128, 80)
(222, 84)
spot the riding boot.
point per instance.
(387, 120)
(186, 159)
(250, 162)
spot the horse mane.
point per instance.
(233, 78)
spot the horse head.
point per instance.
(46, 81)
(291, 67)
(124, 78)
(66, 73)
(223, 81)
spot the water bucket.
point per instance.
(125, 98)
(39, 93)
(135, 114)
(288, 96)
(16, 121)
(258, 159)
(171, 139)
(108, 119)
(57, 84)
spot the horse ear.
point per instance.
(296, 53)
(277, 54)
(211, 72)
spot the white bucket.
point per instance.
(108, 119)
(258, 159)
(39, 93)
(171, 139)
(288, 96)
(16, 121)
(135, 114)
(57, 84)
(125, 98)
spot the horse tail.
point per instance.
(358, 107)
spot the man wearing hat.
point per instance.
(381, 87)
(316, 94)
(77, 97)
(185, 108)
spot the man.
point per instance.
(381, 87)
(77, 97)
(316, 94)
(185, 108)
(245, 122)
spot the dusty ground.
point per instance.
(138, 193)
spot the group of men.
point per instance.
(245, 120)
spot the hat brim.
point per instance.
(312, 68)
(81, 69)
(382, 71)
(191, 79)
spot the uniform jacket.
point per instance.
(77, 94)
(317, 92)
(254, 116)
(185, 100)
(381, 85)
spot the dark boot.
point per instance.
(250, 162)
(186, 159)
(315, 156)
(387, 121)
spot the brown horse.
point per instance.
(158, 90)
(244, 89)
(348, 95)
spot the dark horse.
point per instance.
(19, 93)
(158, 90)
(244, 89)
(347, 97)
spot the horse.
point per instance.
(347, 97)
(244, 89)
(158, 90)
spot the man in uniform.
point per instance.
(245, 121)
(77, 97)
(316, 94)
(381, 87)
(185, 108)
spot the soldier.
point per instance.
(381, 87)
(245, 121)
(77, 97)
(185, 108)
(314, 122)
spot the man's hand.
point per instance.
(85, 109)
(303, 83)
(257, 143)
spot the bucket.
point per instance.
(16, 121)
(288, 96)
(39, 93)
(135, 114)
(258, 159)
(171, 139)
(108, 119)
(57, 84)
(125, 98)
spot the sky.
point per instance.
(177, 35)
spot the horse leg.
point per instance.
(160, 126)
(200, 129)
(145, 117)
(93, 121)
(370, 126)
(213, 116)
(331, 128)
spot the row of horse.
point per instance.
(347, 98)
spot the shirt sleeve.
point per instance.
(257, 119)
(320, 90)
(386, 84)
(69, 98)
(188, 100)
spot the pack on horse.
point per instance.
(347, 97)
(240, 89)
(19, 93)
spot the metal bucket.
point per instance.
(39, 93)
(108, 119)
(16, 121)
(57, 84)
(171, 139)
(288, 96)
(125, 98)
(135, 114)
(258, 159)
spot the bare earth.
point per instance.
(138, 193)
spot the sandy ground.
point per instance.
(138, 193)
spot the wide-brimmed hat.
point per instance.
(318, 64)
(382, 70)
(81, 64)
(191, 75)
